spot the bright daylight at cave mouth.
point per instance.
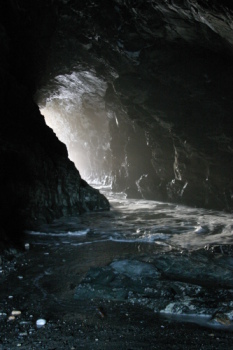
(73, 106)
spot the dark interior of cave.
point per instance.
(131, 95)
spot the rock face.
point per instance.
(153, 101)
(167, 106)
(166, 287)
(37, 180)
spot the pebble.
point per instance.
(16, 313)
(23, 334)
(222, 318)
(40, 322)
(11, 318)
(27, 246)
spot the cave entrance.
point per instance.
(73, 106)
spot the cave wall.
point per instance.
(37, 180)
(179, 91)
(186, 116)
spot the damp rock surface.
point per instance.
(189, 292)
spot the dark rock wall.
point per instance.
(179, 91)
(37, 180)
(186, 114)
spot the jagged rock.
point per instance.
(177, 291)
(221, 249)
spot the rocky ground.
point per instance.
(89, 324)
(117, 327)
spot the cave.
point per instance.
(146, 98)
(129, 95)
(140, 94)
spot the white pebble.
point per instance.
(27, 246)
(41, 322)
(16, 313)
(11, 318)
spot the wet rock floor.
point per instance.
(88, 324)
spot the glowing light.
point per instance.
(74, 108)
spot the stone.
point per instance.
(135, 269)
(40, 322)
(11, 318)
(166, 293)
(15, 312)
(27, 246)
(222, 318)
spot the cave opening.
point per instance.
(140, 95)
(143, 113)
(73, 106)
